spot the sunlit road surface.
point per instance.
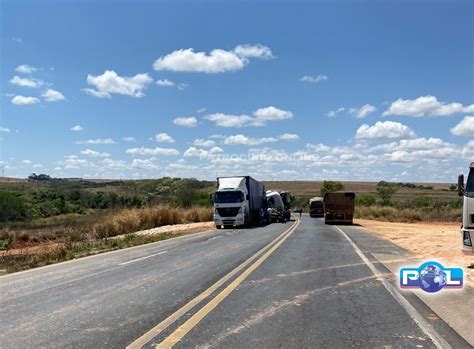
(297, 285)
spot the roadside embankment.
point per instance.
(32, 256)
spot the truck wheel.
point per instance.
(218, 226)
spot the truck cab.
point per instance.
(467, 223)
(238, 201)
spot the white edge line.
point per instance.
(104, 254)
(438, 341)
(142, 258)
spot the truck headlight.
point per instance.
(466, 238)
(215, 211)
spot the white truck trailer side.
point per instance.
(467, 225)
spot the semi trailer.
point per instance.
(316, 207)
(339, 207)
(239, 201)
(467, 220)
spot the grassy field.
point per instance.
(309, 189)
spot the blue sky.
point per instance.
(294, 90)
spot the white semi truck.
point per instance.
(467, 225)
(239, 201)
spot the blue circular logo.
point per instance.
(432, 277)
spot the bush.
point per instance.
(385, 192)
(12, 207)
(364, 200)
(423, 202)
(4, 245)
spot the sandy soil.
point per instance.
(438, 241)
(179, 228)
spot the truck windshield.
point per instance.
(223, 197)
(470, 182)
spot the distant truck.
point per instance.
(339, 207)
(467, 225)
(239, 201)
(276, 206)
(286, 197)
(316, 207)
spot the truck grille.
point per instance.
(228, 211)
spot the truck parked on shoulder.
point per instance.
(316, 207)
(339, 207)
(467, 224)
(239, 201)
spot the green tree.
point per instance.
(386, 193)
(365, 200)
(12, 207)
(330, 186)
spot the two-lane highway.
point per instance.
(296, 285)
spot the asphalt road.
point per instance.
(308, 286)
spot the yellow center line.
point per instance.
(179, 333)
(156, 330)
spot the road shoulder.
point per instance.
(453, 307)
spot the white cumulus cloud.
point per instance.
(195, 152)
(186, 121)
(259, 118)
(25, 69)
(4, 129)
(98, 141)
(229, 120)
(384, 130)
(465, 127)
(206, 143)
(363, 111)
(272, 113)
(94, 154)
(289, 137)
(77, 128)
(426, 106)
(146, 164)
(216, 61)
(152, 151)
(22, 100)
(163, 138)
(244, 140)
(129, 139)
(52, 96)
(110, 82)
(26, 82)
(254, 51)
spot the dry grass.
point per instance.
(118, 223)
(392, 214)
(78, 241)
(12, 262)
